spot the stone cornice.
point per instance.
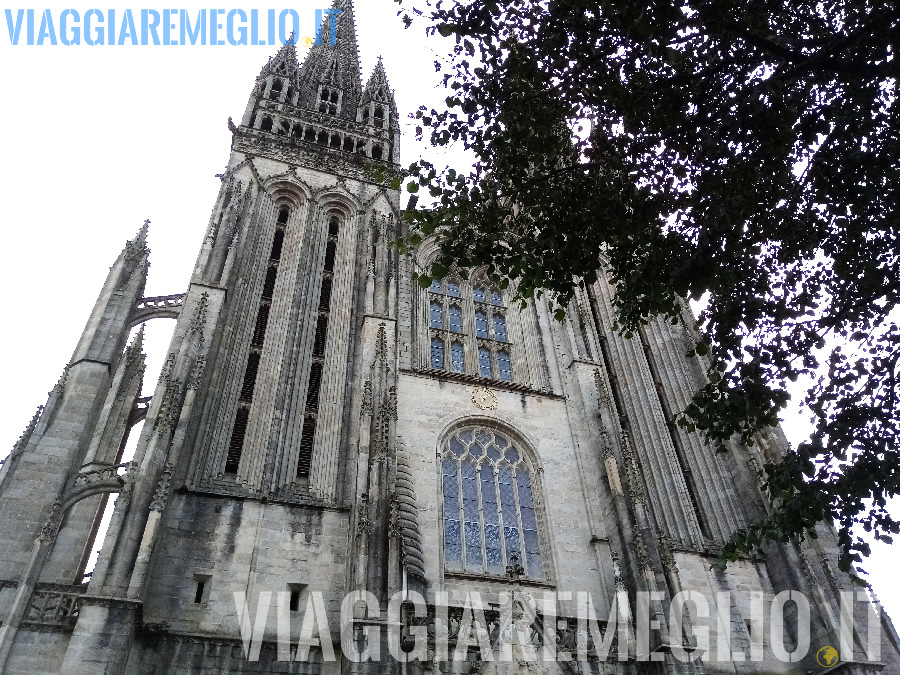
(465, 378)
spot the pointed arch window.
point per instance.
(257, 344)
(450, 313)
(489, 505)
(320, 347)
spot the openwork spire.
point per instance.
(378, 88)
(335, 67)
(284, 63)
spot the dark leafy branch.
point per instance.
(744, 153)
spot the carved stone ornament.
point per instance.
(51, 527)
(666, 555)
(603, 398)
(640, 552)
(484, 399)
(632, 471)
(617, 570)
(161, 496)
(363, 526)
(198, 321)
(197, 373)
(366, 405)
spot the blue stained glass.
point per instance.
(437, 315)
(504, 367)
(478, 294)
(499, 328)
(437, 353)
(511, 536)
(484, 362)
(473, 545)
(531, 541)
(490, 506)
(499, 441)
(476, 450)
(492, 548)
(457, 358)
(496, 298)
(449, 466)
(455, 317)
(457, 449)
(528, 520)
(435, 286)
(507, 499)
(453, 289)
(481, 327)
(465, 436)
(524, 482)
(452, 543)
(493, 453)
(512, 455)
(533, 566)
(482, 437)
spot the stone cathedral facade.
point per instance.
(323, 425)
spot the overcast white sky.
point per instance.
(99, 138)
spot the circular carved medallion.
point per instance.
(484, 399)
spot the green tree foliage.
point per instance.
(743, 153)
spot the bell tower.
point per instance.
(243, 475)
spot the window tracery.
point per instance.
(490, 512)
(480, 324)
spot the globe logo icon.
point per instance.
(827, 656)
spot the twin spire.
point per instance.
(335, 66)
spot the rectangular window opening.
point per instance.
(198, 596)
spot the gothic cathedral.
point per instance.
(323, 426)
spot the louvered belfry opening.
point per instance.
(257, 340)
(320, 344)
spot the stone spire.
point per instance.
(283, 63)
(333, 66)
(378, 89)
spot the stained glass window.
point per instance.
(453, 289)
(437, 315)
(455, 315)
(489, 506)
(437, 353)
(496, 298)
(504, 367)
(478, 294)
(484, 362)
(435, 286)
(499, 328)
(481, 327)
(457, 358)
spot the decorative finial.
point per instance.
(514, 570)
